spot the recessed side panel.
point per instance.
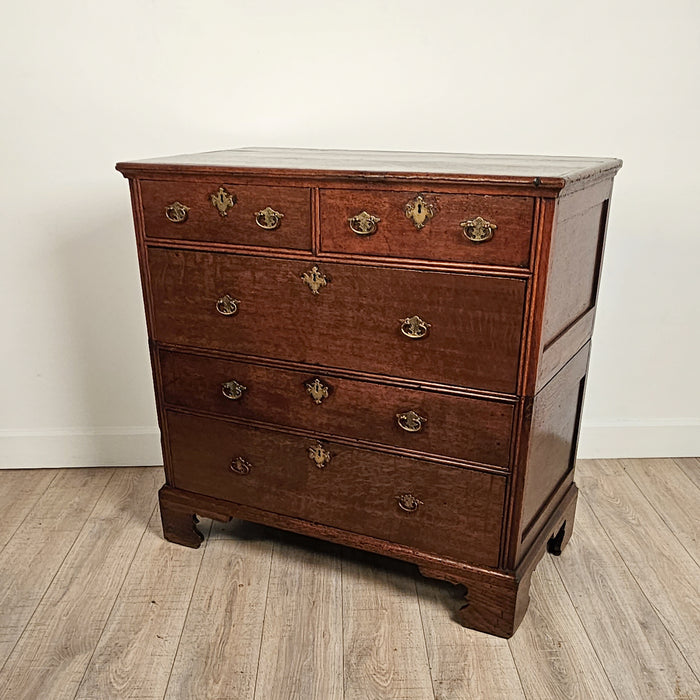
(575, 257)
(556, 417)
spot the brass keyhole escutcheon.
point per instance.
(419, 211)
(232, 390)
(176, 212)
(268, 218)
(240, 465)
(319, 456)
(410, 421)
(223, 200)
(414, 327)
(408, 502)
(227, 305)
(317, 390)
(315, 279)
(478, 230)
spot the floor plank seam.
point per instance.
(114, 602)
(660, 513)
(643, 592)
(682, 469)
(425, 639)
(342, 618)
(517, 671)
(189, 605)
(29, 511)
(583, 626)
(58, 569)
(262, 627)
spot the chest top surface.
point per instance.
(549, 171)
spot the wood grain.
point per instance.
(384, 649)
(238, 227)
(670, 491)
(22, 488)
(220, 644)
(640, 659)
(650, 554)
(69, 621)
(591, 626)
(463, 663)
(691, 468)
(354, 322)
(30, 560)
(537, 172)
(150, 612)
(441, 238)
(489, 504)
(467, 429)
(552, 651)
(356, 491)
(301, 652)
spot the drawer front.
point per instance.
(476, 430)
(247, 222)
(356, 490)
(437, 229)
(361, 319)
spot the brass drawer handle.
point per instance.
(232, 390)
(363, 224)
(414, 327)
(478, 230)
(227, 305)
(408, 502)
(223, 200)
(419, 211)
(319, 456)
(176, 212)
(315, 279)
(410, 421)
(240, 465)
(268, 218)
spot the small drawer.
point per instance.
(470, 429)
(444, 510)
(226, 212)
(461, 228)
(448, 328)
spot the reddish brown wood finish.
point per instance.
(357, 490)
(457, 426)
(553, 430)
(354, 322)
(441, 237)
(504, 362)
(238, 227)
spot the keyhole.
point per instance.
(420, 208)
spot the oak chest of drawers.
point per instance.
(384, 350)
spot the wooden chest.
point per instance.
(384, 350)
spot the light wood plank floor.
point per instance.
(94, 604)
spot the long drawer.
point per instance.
(227, 212)
(450, 328)
(445, 510)
(469, 228)
(465, 428)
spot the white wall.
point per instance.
(85, 84)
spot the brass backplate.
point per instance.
(478, 230)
